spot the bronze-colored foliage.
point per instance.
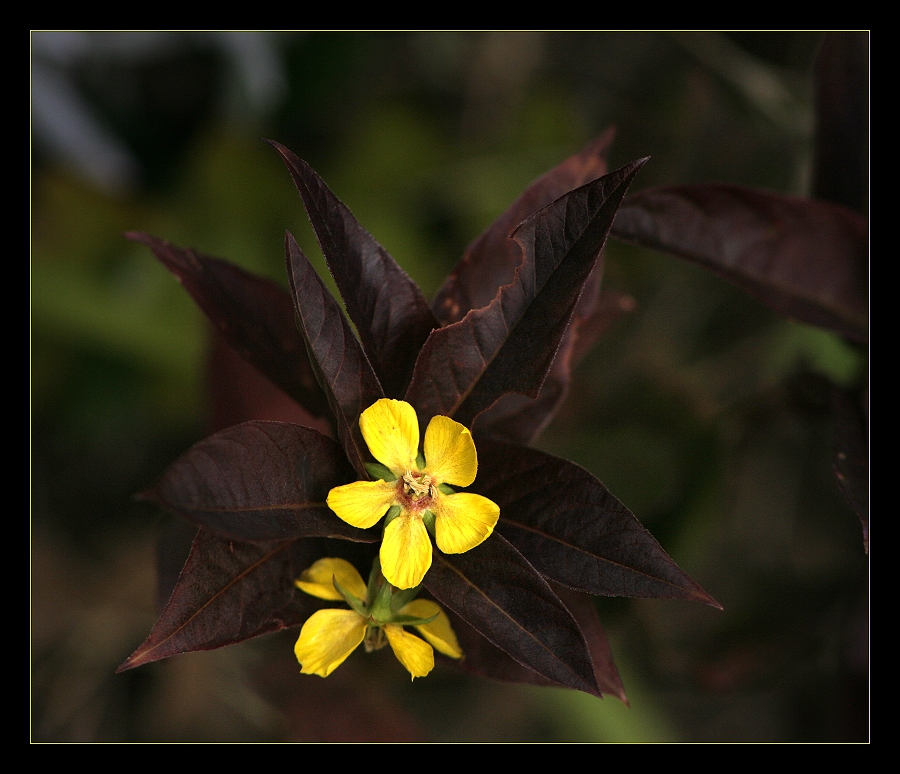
(338, 359)
(509, 345)
(260, 481)
(257, 490)
(574, 531)
(388, 309)
(804, 258)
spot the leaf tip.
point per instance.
(694, 592)
(141, 237)
(292, 160)
(275, 144)
(635, 166)
(124, 666)
(136, 659)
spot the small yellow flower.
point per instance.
(418, 493)
(329, 636)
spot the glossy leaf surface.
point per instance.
(501, 596)
(260, 481)
(509, 345)
(340, 362)
(255, 316)
(573, 530)
(390, 313)
(804, 258)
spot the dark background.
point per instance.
(706, 414)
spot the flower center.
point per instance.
(418, 487)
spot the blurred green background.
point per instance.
(707, 415)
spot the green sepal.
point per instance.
(379, 472)
(375, 578)
(403, 597)
(446, 489)
(380, 609)
(357, 604)
(393, 512)
(420, 461)
(428, 520)
(411, 620)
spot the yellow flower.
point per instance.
(418, 495)
(329, 636)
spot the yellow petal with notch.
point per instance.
(450, 455)
(415, 654)
(326, 639)
(463, 521)
(439, 632)
(391, 431)
(362, 503)
(405, 551)
(318, 580)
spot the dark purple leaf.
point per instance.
(229, 592)
(255, 315)
(573, 530)
(485, 659)
(804, 258)
(841, 170)
(491, 260)
(238, 392)
(582, 607)
(497, 592)
(260, 481)
(509, 345)
(337, 357)
(851, 459)
(175, 536)
(389, 311)
(518, 419)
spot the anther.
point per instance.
(418, 488)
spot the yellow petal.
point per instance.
(415, 654)
(362, 503)
(405, 551)
(450, 452)
(439, 632)
(326, 639)
(391, 431)
(463, 521)
(318, 579)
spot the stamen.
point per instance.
(418, 487)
